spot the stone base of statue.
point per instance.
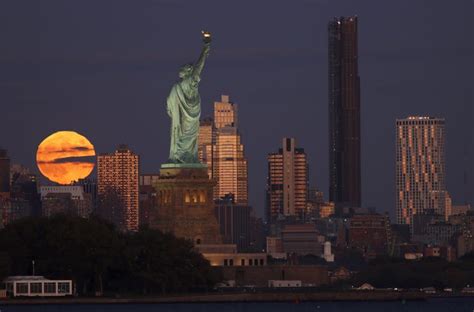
(185, 204)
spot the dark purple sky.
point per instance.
(104, 69)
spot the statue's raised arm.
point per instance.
(199, 65)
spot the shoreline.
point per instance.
(232, 298)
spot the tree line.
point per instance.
(426, 272)
(101, 259)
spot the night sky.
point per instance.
(104, 69)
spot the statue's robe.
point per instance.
(184, 108)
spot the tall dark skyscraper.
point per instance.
(344, 113)
(4, 171)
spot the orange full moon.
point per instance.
(65, 157)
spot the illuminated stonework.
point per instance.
(420, 167)
(184, 205)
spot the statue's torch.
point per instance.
(206, 36)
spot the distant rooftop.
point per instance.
(26, 278)
(30, 278)
(421, 118)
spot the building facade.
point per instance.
(118, 187)
(225, 113)
(13, 208)
(4, 172)
(235, 223)
(37, 286)
(344, 113)
(441, 234)
(302, 239)
(206, 143)
(89, 187)
(65, 199)
(184, 205)
(147, 197)
(229, 163)
(287, 181)
(370, 233)
(420, 167)
(260, 275)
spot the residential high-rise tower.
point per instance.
(420, 167)
(117, 184)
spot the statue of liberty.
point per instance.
(184, 108)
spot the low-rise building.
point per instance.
(366, 286)
(446, 252)
(37, 286)
(236, 259)
(302, 239)
(309, 275)
(227, 255)
(66, 199)
(283, 283)
(370, 233)
(274, 245)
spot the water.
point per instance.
(433, 305)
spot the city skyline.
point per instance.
(303, 156)
(410, 89)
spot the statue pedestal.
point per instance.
(185, 205)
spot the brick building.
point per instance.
(370, 234)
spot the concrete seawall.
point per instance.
(226, 297)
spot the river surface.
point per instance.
(432, 305)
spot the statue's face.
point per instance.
(185, 71)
